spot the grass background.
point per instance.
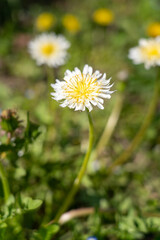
(130, 196)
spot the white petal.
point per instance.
(99, 100)
(64, 104)
(85, 69)
(90, 70)
(94, 102)
(100, 105)
(104, 95)
(89, 106)
(79, 106)
(77, 71)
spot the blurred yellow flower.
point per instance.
(45, 21)
(153, 29)
(103, 16)
(71, 23)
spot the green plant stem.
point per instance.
(4, 183)
(80, 175)
(140, 134)
(110, 125)
(50, 79)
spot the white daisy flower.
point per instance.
(49, 49)
(81, 90)
(148, 52)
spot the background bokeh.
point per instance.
(129, 197)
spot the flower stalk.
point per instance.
(110, 125)
(140, 134)
(80, 175)
(4, 182)
(50, 78)
(109, 128)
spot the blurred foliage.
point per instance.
(41, 160)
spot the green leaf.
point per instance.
(153, 224)
(9, 120)
(30, 204)
(19, 173)
(46, 233)
(5, 147)
(32, 131)
(15, 207)
(3, 227)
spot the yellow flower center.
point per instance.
(152, 51)
(47, 49)
(103, 16)
(81, 88)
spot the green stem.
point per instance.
(80, 175)
(140, 134)
(4, 183)
(109, 128)
(111, 124)
(50, 79)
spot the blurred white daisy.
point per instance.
(148, 52)
(49, 49)
(81, 90)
